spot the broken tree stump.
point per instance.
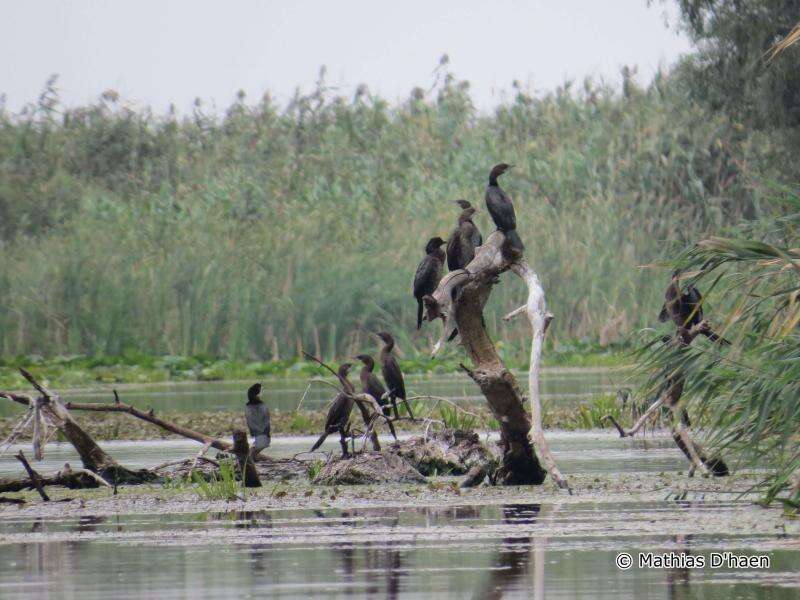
(245, 460)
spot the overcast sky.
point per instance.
(159, 52)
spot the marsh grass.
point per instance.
(252, 234)
(222, 486)
(313, 469)
(453, 418)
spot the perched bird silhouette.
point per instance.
(372, 386)
(501, 209)
(464, 240)
(256, 414)
(685, 309)
(338, 418)
(392, 374)
(428, 274)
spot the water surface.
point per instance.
(560, 387)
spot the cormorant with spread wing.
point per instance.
(428, 274)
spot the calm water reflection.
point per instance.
(424, 552)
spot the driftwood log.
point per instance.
(66, 477)
(93, 457)
(35, 478)
(150, 417)
(459, 300)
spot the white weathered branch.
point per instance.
(539, 318)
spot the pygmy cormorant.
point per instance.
(392, 374)
(339, 413)
(428, 274)
(685, 309)
(256, 414)
(464, 239)
(372, 386)
(501, 209)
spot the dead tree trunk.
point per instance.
(459, 301)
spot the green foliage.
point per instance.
(748, 393)
(313, 469)
(220, 487)
(729, 69)
(455, 418)
(249, 235)
(589, 415)
(300, 423)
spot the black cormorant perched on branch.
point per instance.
(428, 274)
(256, 414)
(500, 207)
(339, 413)
(685, 309)
(464, 239)
(372, 386)
(392, 374)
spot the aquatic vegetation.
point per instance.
(79, 370)
(314, 468)
(453, 418)
(219, 487)
(300, 422)
(590, 415)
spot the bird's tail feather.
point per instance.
(419, 313)
(319, 441)
(514, 240)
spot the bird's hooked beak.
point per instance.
(511, 166)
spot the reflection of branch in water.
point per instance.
(678, 585)
(89, 523)
(514, 556)
(377, 558)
